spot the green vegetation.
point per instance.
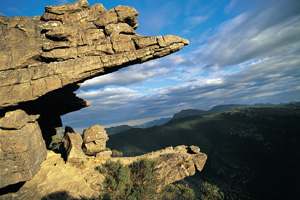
(211, 192)
(56, 143)
(140, 180)
(252, 151)
(116, 153)
(177, 192)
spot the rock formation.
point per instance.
(44, 60)
(72, 143)
(174, 164)
(69, 44)
(60, 180)
(94, 140)
(22, 148)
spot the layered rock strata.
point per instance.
(22, 148)
(44, 59)
(69, 44)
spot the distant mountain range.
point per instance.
(215, 109)
(117, 129)
(253, 151)
(183, 113)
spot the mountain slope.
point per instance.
(156, 122)
(117, 129)
(215, 109)
(252, 151)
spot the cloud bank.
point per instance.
(252, 57)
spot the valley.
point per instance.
(252, 150)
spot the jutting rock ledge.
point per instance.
(44, 60)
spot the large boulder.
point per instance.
(94, 140)
(72, 143)
(22, 148)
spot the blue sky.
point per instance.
(240, 51)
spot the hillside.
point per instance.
(215, 109)
(156, 122)
(117, 129)
(181, 114)
(252, 151)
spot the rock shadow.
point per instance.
(11, 188)
(62, 195)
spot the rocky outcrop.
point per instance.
(22, 148)
(69, 44)
(44, 60)
(72, 143)
(60, 180)
(174, 164)
(94, 140)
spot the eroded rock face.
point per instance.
(174, 164)
(22, 148)
(94, 140)
(72, 143)
(71, 43)
(44, 59)
(60, 180)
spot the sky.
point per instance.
(240, 52)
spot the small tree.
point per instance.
(145, 179)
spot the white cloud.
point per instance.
(107, 92)
(139, 73)
(130, 75)
(253, 35)
(196, 20)
(255, 57)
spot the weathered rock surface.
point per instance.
(60, 180)
(104, 154)
(72, 143)
(174, 164)
(44, 60)
(68, 44)
(22, 148)
(94, 139)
